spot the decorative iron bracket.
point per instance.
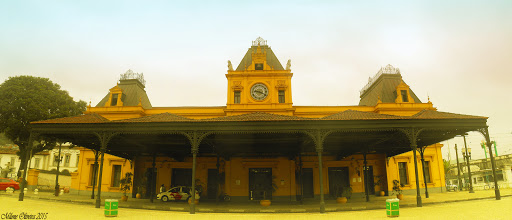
(318, 137)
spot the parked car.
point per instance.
(8, 183)
(451, 187)
(179, 193)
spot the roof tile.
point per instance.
(257, 116)
(359, 115)
(87, 118)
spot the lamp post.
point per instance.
(458, 169)
(467, 156)
(58, 160)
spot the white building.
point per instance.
(45, 160)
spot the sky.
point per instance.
(457, 53)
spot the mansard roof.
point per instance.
(132, 86)
(383, 86)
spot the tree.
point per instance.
(24, 99)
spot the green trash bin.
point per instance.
(111, 207)
(392, 207)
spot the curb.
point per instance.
(254, 210)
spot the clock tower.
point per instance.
(259, 83)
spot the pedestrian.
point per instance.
(162, 188)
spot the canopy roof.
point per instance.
(257, 134)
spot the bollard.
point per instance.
(36, 191)
(111, 206)
(61, 192)
(392, 206)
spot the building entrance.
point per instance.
(307, 183)
(213, 184)
(371, 184)
(260, 183)
(338, 179)
(181, 177)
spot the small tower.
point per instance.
(259, 83)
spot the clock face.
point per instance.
(259, 91)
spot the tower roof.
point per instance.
(271, 57)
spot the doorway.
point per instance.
(213, 184)
(338, 179)
(368, 174)
(181, 177)
(260, 183)
(307, 183)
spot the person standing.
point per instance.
(162, 188)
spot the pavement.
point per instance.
(353, 204)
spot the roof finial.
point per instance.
(259, 41)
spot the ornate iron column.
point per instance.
(422, 151)
(94, 171)
(195, 139)
(412, 135)
(24, 177)
(365, 173)
(104, 139)
(318, 137)
(217, 165)
(152, 187)
(485, 132)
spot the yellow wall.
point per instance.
(432, 154)
(84, 171)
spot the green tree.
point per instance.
(24, 99)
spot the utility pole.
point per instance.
(458, 169)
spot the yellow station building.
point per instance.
(261, 86)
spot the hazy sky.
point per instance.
(458, 53)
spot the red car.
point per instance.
(6, 183)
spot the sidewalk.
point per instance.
(353, 204)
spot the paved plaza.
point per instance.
(480, 204)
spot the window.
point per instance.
(36, 163)
(77, 159)
(237, 97)
(281, 96)
(92, 176)
(116, 177)
(402, 171)
(66, 160)
(114, 100)
(13, 160)
(258, 66)
(426, 169)
(405, 98)
(55, 160)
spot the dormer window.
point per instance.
(258, 66)
(405, 97)
(114, 99)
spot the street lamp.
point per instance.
(467, 156)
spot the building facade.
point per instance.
(261, 87)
